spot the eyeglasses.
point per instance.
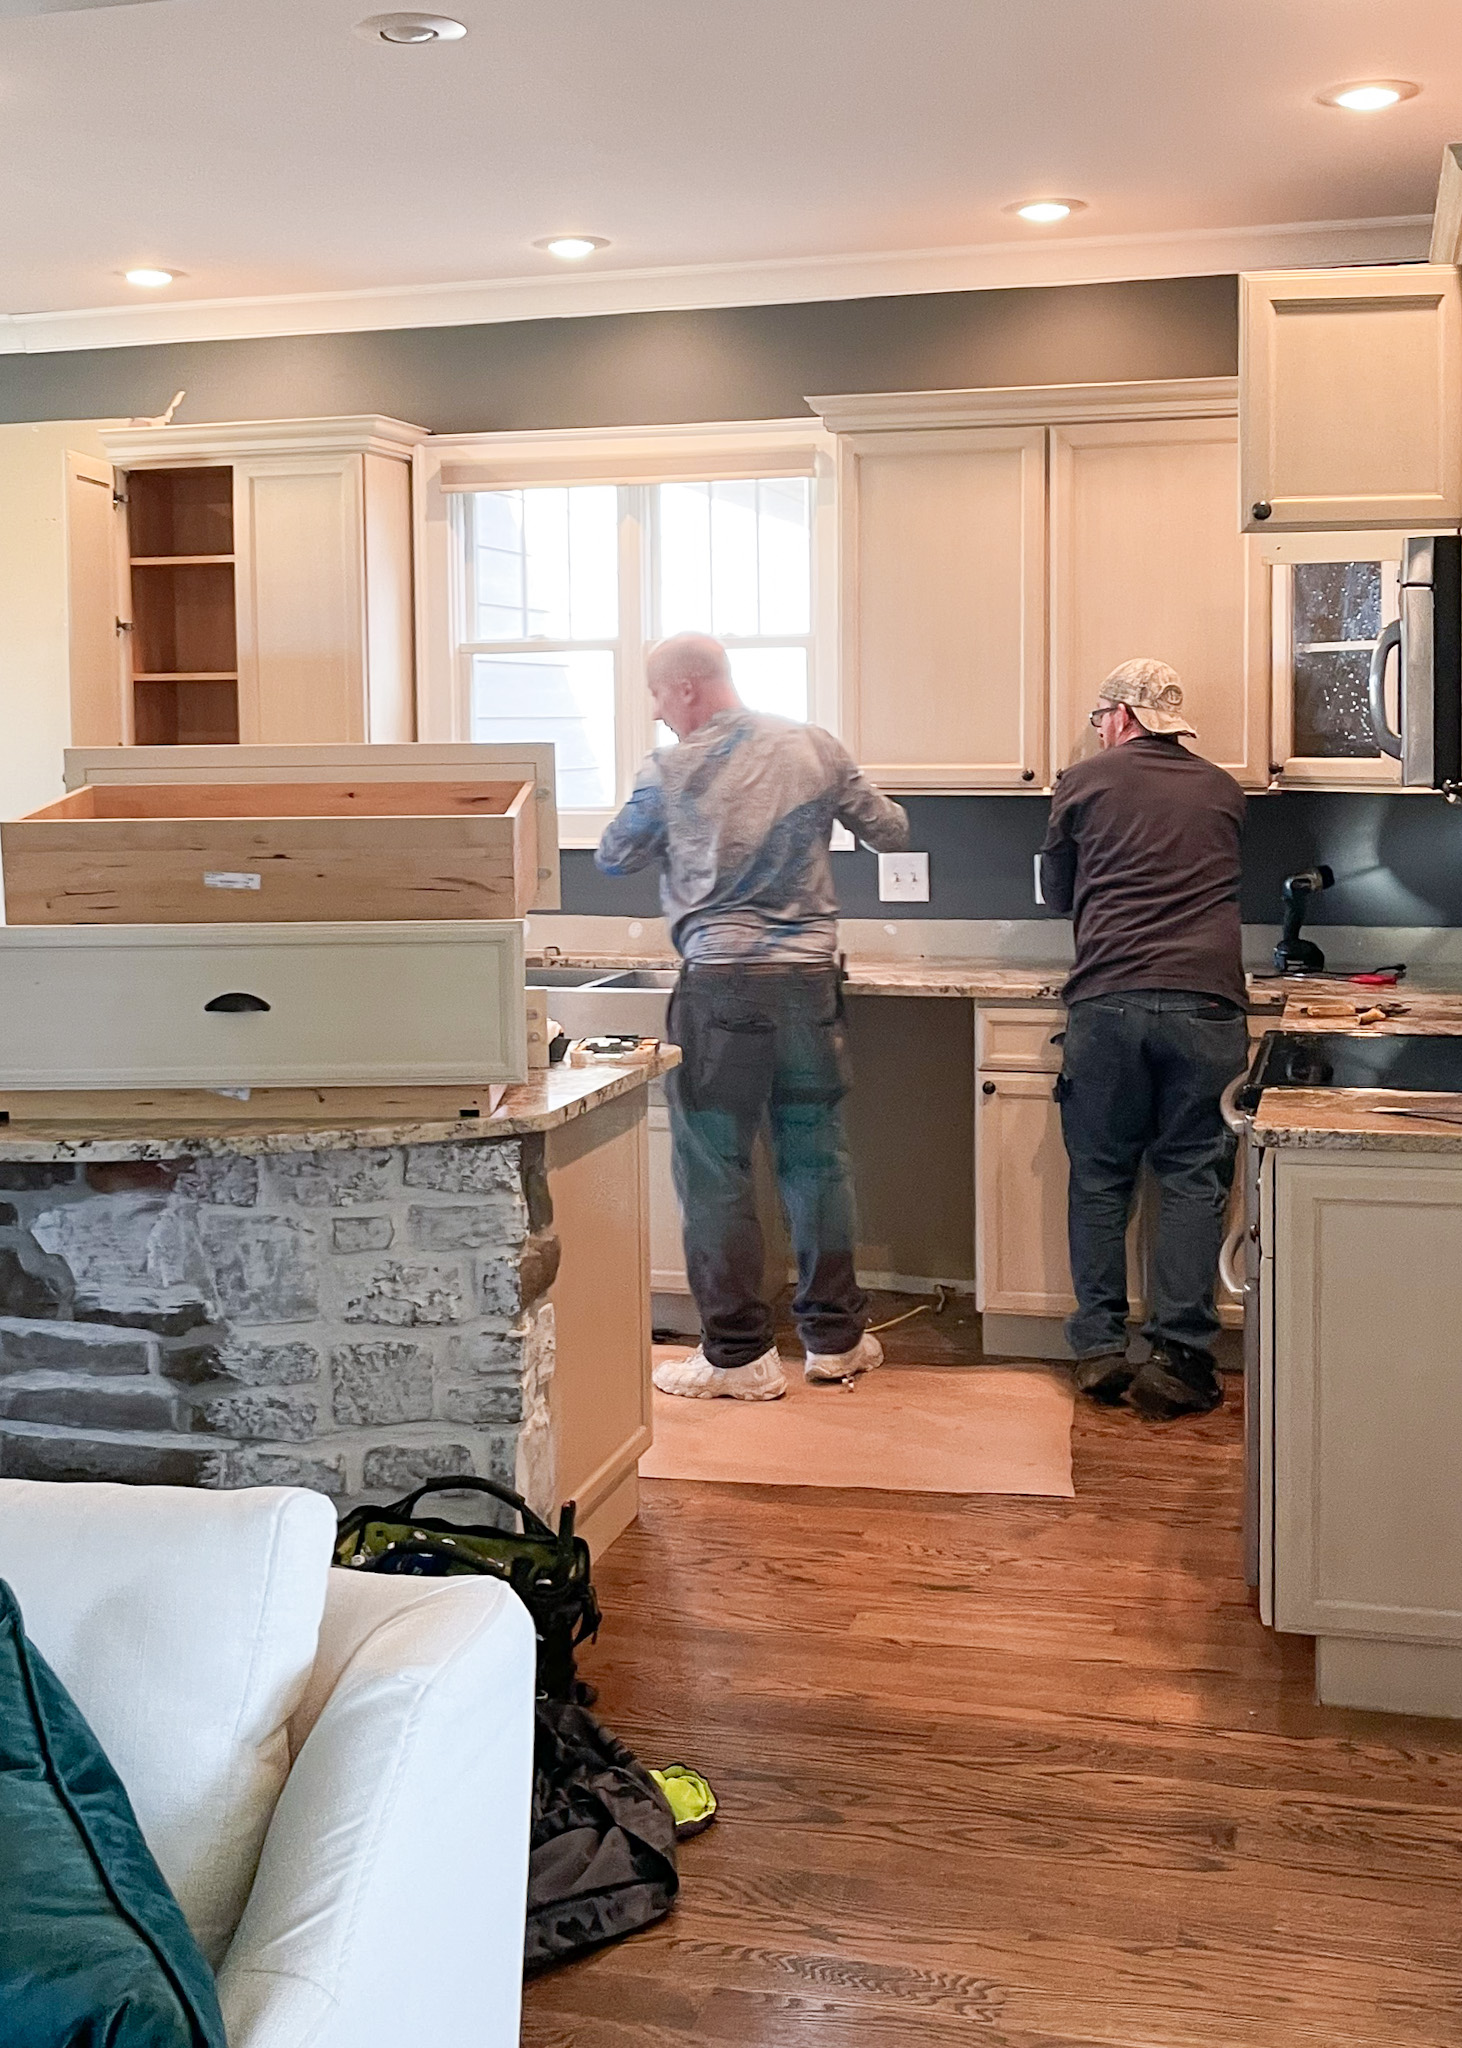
(1102, 711)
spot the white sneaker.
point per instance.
(696, 1377)
(845, 1365)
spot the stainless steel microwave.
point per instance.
(1427, 641)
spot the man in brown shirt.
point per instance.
(1143, 851)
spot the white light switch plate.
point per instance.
(842, 840)
(903, 878)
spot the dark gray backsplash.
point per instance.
(1397, 861)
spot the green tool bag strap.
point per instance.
(405, 1510)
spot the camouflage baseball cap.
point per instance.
(1152, 692)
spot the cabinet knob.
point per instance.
(1262, 509)
(987, 1088)
(1027, 774)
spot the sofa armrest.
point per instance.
(390, 1897)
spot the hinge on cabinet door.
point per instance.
(124, 625)
(119, 498)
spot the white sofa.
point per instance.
(332, 1769)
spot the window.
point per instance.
(555, 591)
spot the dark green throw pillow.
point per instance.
(94, 1950)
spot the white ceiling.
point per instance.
(261, 148)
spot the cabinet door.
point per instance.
(1350, 398)
(667, 1251)
(1021, 1262)
(1332, 594)
(943, 584)
(1147, 559)
(1368, 1398)
(299, 542)
(96, 553)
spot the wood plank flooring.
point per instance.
(1013, 1774)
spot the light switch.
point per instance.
(903, 878)
(842, 840)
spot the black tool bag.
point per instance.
(548, 1572)
(602, 1862)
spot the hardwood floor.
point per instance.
(1013, 1774)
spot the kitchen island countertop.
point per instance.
(178, 1125)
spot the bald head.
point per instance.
(690, 681)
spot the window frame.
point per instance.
(523, 461)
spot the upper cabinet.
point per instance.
(943, 604)
(1350, 398)
(265, 585)
(1147, 559)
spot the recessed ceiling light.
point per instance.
(1370, 96)
(1045, 211)
(411, 28)
(151, 278)
(573, 248)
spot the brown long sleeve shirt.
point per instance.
(1143, 851)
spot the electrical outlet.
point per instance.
(903, 878)
(842, 840)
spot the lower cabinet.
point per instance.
(1365, 1368)
(667, 1247)
(1021, 1265)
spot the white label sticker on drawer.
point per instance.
(233, 881)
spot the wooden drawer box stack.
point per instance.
(361, 917)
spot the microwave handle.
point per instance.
(1389, 742)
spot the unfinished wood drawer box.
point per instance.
(284, 1005)
(250, 853)
(1019, 1041)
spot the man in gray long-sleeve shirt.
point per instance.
(739, 815)
(1143, 849)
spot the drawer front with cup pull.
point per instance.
(1019, 1041)
(289, 1005)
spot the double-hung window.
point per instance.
(557, 583)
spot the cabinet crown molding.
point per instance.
(1036, 405)
(354, 434)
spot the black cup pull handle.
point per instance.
(235, 1000)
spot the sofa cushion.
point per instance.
(92, 1944)
(183, 1624)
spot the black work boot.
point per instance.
(1176, 1380)
(1104, 1378)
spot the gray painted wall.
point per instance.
(631, 369)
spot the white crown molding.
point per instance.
(1446, 245)
(352, 434)
(1088, 259)
(1044, 405)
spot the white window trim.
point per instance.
(441, 683)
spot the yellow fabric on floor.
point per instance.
(956, 1429)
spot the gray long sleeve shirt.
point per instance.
(739, 814)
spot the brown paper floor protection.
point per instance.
(965, 1429)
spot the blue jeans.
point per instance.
(763, 1043)
(1141, 1078)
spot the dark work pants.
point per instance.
(1141, 1079)
(763, 1043)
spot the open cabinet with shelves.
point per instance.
(183, 643)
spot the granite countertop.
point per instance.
(181, 1126)
(982, 981)
(1356, 1120)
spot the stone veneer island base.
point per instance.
(354, 1307)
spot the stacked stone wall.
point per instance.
(355, 1321)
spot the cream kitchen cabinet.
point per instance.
(1021, 1262)
(1350, 398)
(266, 585)
(1147, 559)
(943, 600)
(1361, 1374)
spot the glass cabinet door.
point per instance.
(1328, 615)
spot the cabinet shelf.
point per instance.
(178, 561)
(186, 675)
